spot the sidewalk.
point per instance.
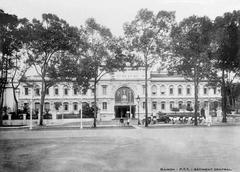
(191, 125)
(75, 127)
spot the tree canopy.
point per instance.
(147, 39)
(191, 40)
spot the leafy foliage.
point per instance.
(147, 39)
(47, 44)
(191, 40)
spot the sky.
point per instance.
(114, 13)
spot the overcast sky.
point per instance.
(113, 13)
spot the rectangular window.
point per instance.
(56, 91)
(75, 91)
(154, 90)
(143, 105)
(143, 88)
(154, 105)
(26, 91)
(214, 90)
(179, 91)
(104, 105)
(65, 91)
(47, 91)
(26, 106)
(204, 90)
(104, 90)
(162, 89)
(188, 91)
(205, 104)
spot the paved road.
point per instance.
(156, 149)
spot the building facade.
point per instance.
(122, 93)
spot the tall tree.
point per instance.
(48, 40)
(226, 53)
(191, 46)
(103, 55)
(147, 37)
(10, 42)
(18, 74)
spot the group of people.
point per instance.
(202, 119)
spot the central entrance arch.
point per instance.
(124, 103)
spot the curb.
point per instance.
(59, 127)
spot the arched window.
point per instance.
(75, 91)
(163, 89)
(37, 106)
(124, 95)
(180, 105)
(75, 106)
(47, 106)
(163, 105)
(65, 106)
(154, 105)
(171, 89)
(189, 105)
(154, 90)
(179, 90)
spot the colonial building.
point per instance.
(117, 95)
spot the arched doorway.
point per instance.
(124, 103)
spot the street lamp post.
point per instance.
(138, 99)
(31, 106)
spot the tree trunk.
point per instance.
(43, 91)
(195, 97)
(146, 92)
(16, 101)
(196, 104)
(3, 81)
(224, 98)
(95, 103)
(1, 107)
(15, 97)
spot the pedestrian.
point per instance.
(203, 113)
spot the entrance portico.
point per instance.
(124, 103)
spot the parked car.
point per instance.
(144, 120)
(164, 119)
